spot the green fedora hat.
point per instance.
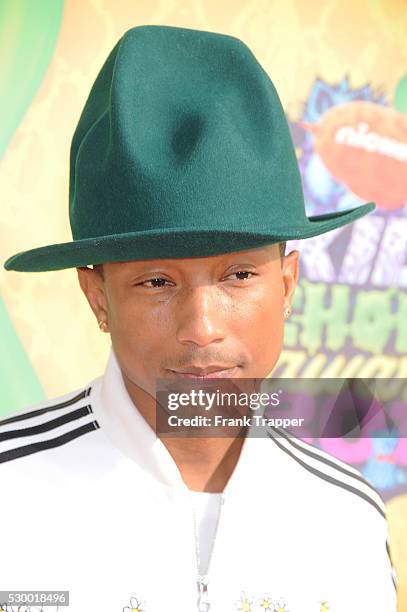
(182, 150)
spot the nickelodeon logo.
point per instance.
(364, 146)
(371, 141)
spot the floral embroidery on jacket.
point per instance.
(244, 604)
(267, 602)
(247, 604)
(135, 606)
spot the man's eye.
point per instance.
(242, 272)
(157, 282)
(160, 282)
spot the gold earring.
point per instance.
(103, 326)
(287, 312)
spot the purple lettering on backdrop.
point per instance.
(361, 250)
(384, 263)
(315, 258)
(391, 267)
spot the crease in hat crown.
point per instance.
(182, 150)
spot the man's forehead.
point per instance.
(255, 256)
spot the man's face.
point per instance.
(176, 315)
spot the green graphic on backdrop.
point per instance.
(373, 320)
(18, 382)
(400, 97)
(28, 34)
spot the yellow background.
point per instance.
(295, 41)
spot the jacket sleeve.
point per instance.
(391, 571)
(378, 579)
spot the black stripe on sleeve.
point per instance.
(42, 427)
(329, 478)
(388, 551)
(344, 471)
(325, 460)
(391, 563)
(29, 449)
(33, 413)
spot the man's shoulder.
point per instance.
(329, 474)
(46, 425)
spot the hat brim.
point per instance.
(172, 243)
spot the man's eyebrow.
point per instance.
(249, 257)
(230, 261)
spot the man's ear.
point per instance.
(92, 285)
(290, 272)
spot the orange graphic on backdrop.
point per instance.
(364, 145)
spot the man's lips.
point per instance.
(198, 374)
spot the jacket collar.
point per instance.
(130, 433)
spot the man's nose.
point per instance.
(200, 316)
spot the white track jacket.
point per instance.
(93, 503)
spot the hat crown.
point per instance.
(182, 150)
(182, 129)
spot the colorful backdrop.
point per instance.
(341, 71)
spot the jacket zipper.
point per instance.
(203, 601)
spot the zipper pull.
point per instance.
(203, 598)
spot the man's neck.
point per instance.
(205, 464)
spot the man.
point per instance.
(184, 187)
